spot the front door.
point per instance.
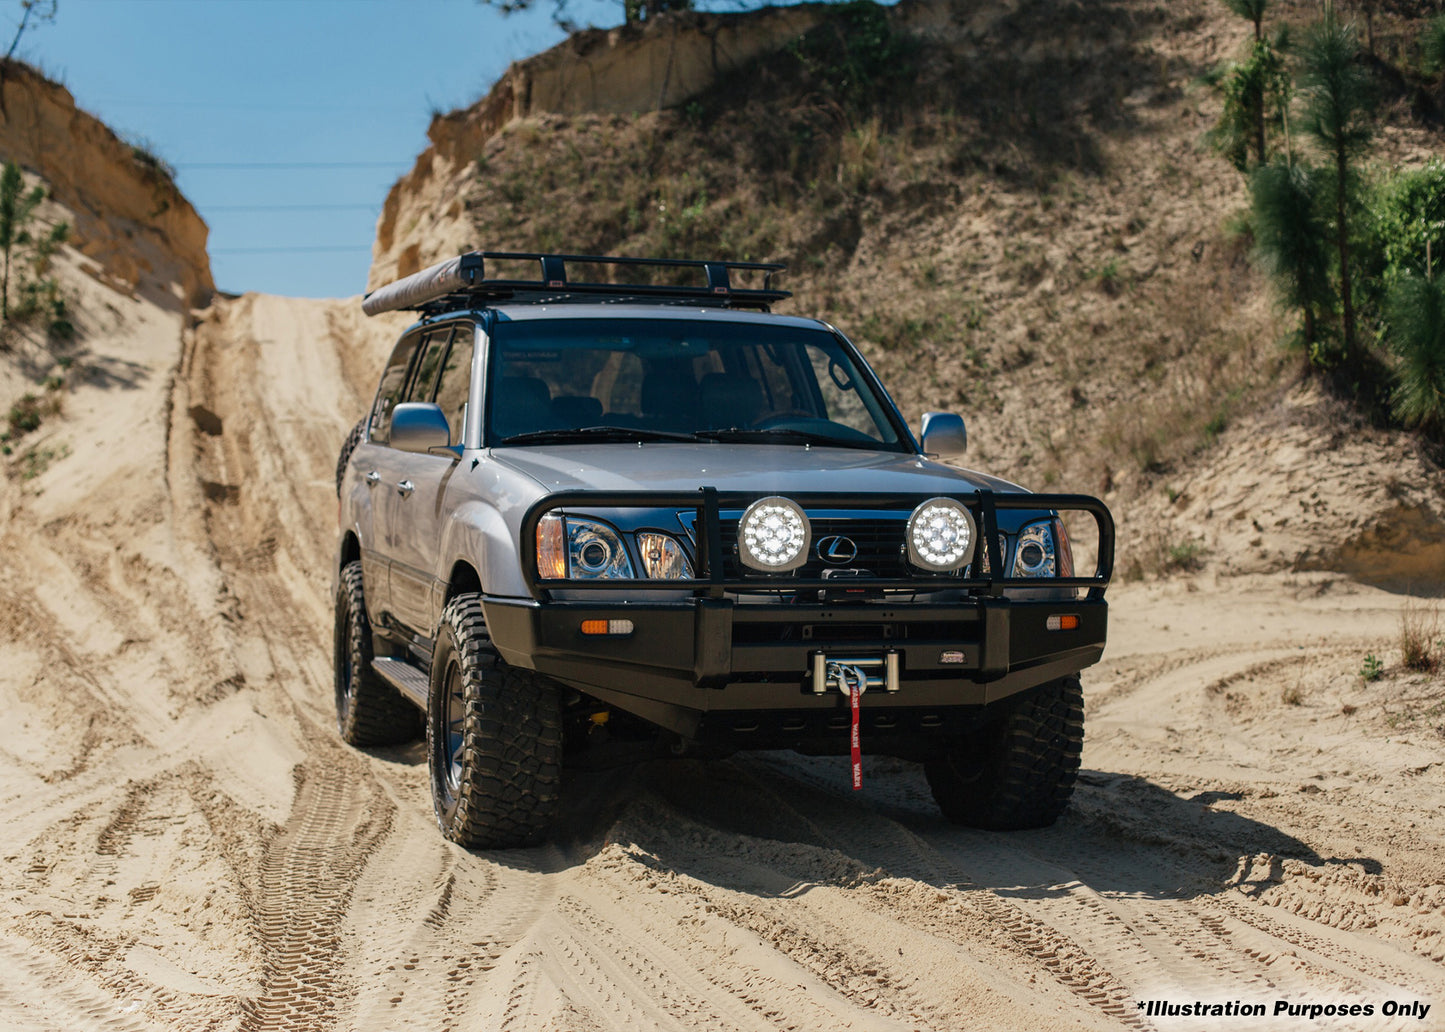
(414, 501)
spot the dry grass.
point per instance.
(1419, 630)
(1042, 245)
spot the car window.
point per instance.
(455, 382)
(423, 383)
(619, 384)
(393, 379)
(842, 399)
(679, 376)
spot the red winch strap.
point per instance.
(856, 692)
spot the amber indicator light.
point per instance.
(610, 627)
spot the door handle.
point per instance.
(373, 478)
(405, 488)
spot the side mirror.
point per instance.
(419, 427)
(942, 434)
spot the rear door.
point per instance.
(377, 463)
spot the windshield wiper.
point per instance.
(595, 434)
(782, 434)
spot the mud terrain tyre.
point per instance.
(368, 710)
(494, 738)
(1018, 772)
(347, 447)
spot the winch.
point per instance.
(876, 672)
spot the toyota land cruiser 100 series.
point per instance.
(591, 517)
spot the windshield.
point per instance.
(574, 380)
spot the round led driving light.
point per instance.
(773, 535)
(941, 533)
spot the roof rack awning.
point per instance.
(459, 282)
(416, 290)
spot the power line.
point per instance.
(291, 250)
(273, 108)
(290, 207)
(266, 165)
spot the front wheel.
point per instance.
(1018, 772)
(494, 738)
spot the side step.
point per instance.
(405, 678)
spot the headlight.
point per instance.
(579, 549)
(1043, 550)
(663, 557)
(940, 535)
(773, 535)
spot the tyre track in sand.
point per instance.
(305, 888)
(260, 494)
(401, 951)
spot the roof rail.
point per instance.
(459, 282)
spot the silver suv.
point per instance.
(592, 518)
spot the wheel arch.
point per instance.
(350, 551)
(462, 580)
(476, 553)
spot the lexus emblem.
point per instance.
(837, 550)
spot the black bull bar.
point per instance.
(710, 579)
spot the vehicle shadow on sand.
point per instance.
(776, 825)
(725, 822)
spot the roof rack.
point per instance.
(460, 282)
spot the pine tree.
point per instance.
(1252, 91)
(1432, 46)
(1292, 242)
(1337, 109)
(1256, 91)
(1415, 314)
(1253, 10)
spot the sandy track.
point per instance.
(188, 845)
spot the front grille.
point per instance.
(879, 540)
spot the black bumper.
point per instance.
(709, 667)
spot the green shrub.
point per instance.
(24, 416)
(1408, 220)
(1185, 558)
(26, 288)
(36, 461)
(1415, 313)
(1432, 46)
(855, 54)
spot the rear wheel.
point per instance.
(368, 710)
(1018, 772)
(494, 738)
(347, 447)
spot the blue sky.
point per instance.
(340, 89)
